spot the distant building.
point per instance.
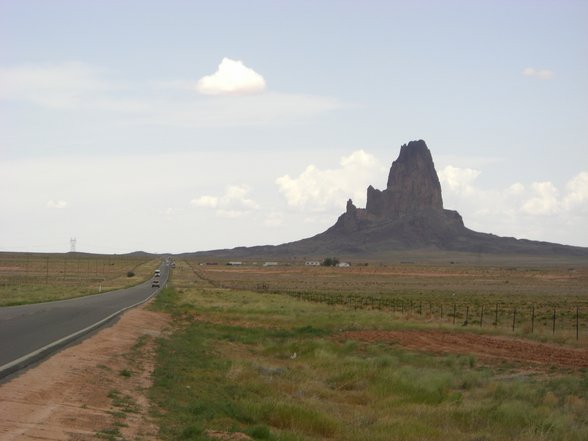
(312, 263)
(234, 263)
(343, 264)
(270, 264)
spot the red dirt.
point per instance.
(484, 347)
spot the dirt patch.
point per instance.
(95, 387)
(227, 436)
(483, 347)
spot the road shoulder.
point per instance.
(98, 386)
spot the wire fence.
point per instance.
(553, 317)
(521, 318)
(62, 269)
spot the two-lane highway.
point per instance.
(31, 332)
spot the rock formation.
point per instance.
(407, 215)
(412, 186)
(410, 206)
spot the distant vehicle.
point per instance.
(155, 283)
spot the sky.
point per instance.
(178, 126)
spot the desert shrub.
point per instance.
(330, 261)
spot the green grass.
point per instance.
(111, 434)
(269, 366)
(468, 295)
(33, 278)
(125, 403)
(126, 373)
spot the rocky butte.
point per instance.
(409, 211)
(407, 215)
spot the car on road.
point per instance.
(155, 283)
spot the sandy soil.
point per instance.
(484, 347)
(96, 386)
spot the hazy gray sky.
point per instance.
(181, 126)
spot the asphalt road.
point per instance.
(29, 333)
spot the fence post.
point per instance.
(577, 324)
(532, 318)
(553, 329)
(496, 318)
(514, 318)
(467, 315)
(454, 313)
(482, 317)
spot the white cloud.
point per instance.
(577, 193)
(85, 88)
(59, 86)
(238, 194)
(252, 110)
(538, 210)
(34, 182)
(56, 204)
(320, 190)
(65, 86)
(458, 180)
(516, 189)
(358, 160)
(231, 78)
(234, 203)
(541, 74)
(231, 214)
(206, 201)
(170, 225)
(544, 201)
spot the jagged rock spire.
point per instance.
(413, 184)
